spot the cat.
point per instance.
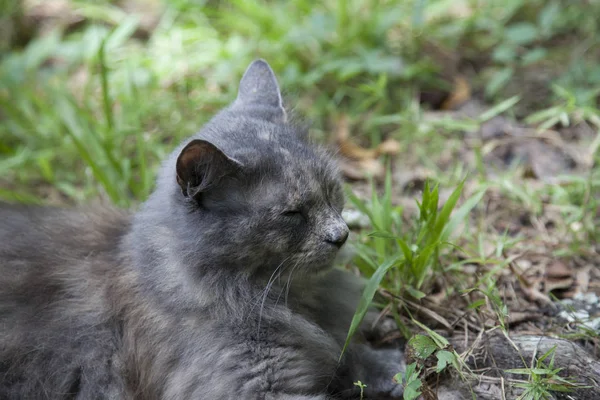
(220, 286)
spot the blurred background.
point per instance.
(94, 93)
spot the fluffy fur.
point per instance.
(219, 287)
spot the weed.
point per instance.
(362, 387)
(411, 382)
(409, 254)
(543, 379)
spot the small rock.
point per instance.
(355, 218)
(590, 298)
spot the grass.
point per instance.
(542, 379)
(87, 111)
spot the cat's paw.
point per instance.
(379, 368)
(384, 387)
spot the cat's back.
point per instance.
(52, 231)
(57, 328)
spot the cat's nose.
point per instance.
(338, 235)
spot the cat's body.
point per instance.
(220, 287)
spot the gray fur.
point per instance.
(219, 287)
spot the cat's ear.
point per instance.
(200, 165)
(259, 87)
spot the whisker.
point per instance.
(289, 280)
(267, 289)
(287, 283)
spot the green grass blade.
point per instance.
(366, 298)
(444, 214)
(498, 109)
(461, 214)
(106, 101)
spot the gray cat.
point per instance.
(219, 287)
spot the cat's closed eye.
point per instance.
(294, 213)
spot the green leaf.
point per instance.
(106, 100)
(476, 304)
(461, 214)
(366, 298)
(534, 56)
(505, 53)
(439, 340)
(498, 80)
(530, 371)
(445, 358)
(417, 294)
(358, 203)
(24, 198)
(444, 215)
(385, 235)
(548, 17)
(410, 381)
(423, 346)
(498, 109)
(521, 33)
(411, 390)
(408, 255)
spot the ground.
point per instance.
(468, 133)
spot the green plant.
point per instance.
(410, 253)
(362, 387)
(571, 109)
(543, 379)
(422, 347)
(411, 382)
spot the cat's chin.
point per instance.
(321, 262)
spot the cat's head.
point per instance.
(251, 193)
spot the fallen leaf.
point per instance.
(552, 284)
(359, 162)
(582, 279)
(372, 168)
(516, 317)
(362, 169)
(533, 293)
(461, 93)
(388, 147)
(353, 151)
(356, 152)
(558, 269)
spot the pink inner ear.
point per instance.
(201, 165)
(190, 154)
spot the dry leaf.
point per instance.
(557, 283)
(582, 279)
(362, 169)
(372, 168)
(533, 293)
(558, 269)
(359, 162)
(461, 93)
(516, 317)
(342, 134)
(388, 147)
(356, 152)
